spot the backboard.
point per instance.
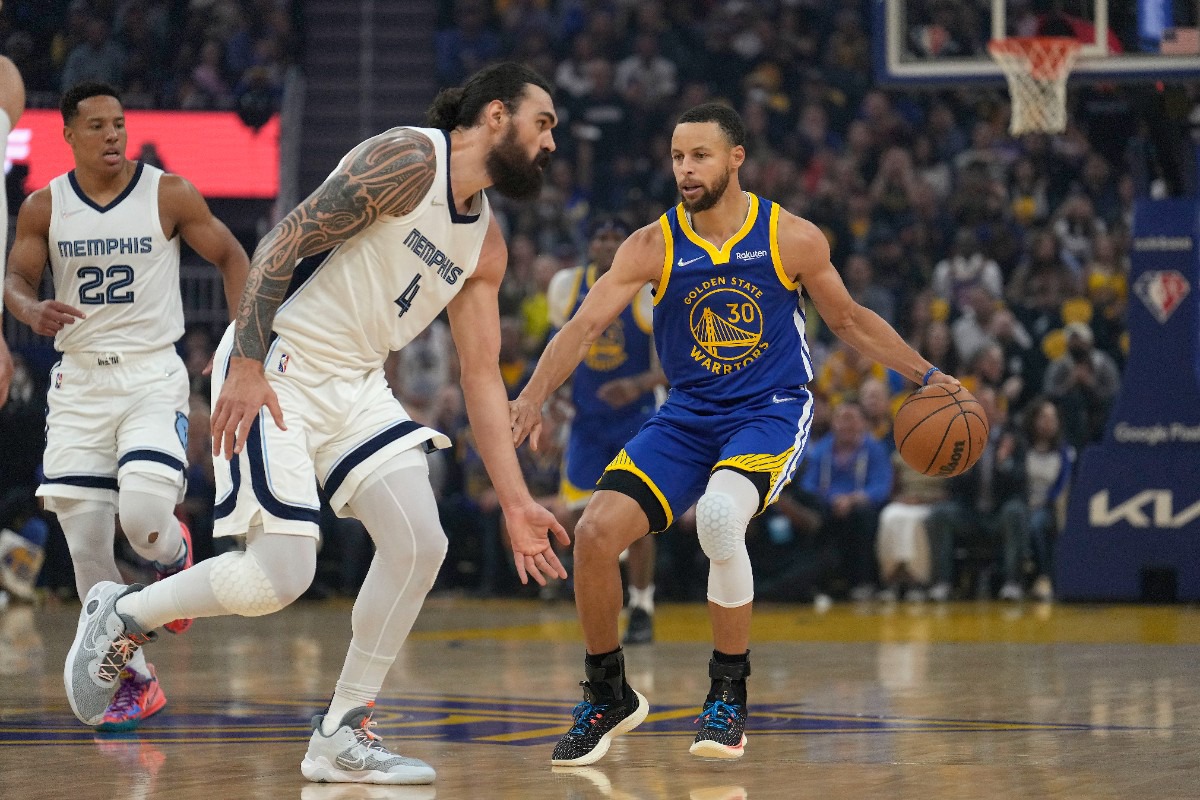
(941, 42)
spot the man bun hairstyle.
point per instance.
(726, 118)
(69, 105)
(460, 107)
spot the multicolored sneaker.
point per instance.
(165, 571)
(137, 699)
(355, 754)
(599, 719)
(723, 721)
(104, 642)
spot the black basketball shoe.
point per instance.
(723, 721)
(602, 716)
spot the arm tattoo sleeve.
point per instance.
(388, 176)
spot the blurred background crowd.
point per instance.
(1002, 260)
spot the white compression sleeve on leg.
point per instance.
(273, 571)
(400, 513)
(722, 514)
(147, 513)
(89, 528)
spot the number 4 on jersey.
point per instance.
(405, 300)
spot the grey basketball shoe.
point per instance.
(104, 643)
(354, 754)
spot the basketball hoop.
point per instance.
(1036, 68)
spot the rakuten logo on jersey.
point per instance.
(1149, 508)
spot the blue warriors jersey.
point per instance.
(621, 351)
(728, 321)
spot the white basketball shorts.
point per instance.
(111, 414)
(339, 431)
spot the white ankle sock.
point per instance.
(341, 703)
(642, 598)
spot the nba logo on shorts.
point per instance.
(1162, 291)
(58, 381)
(283, 362)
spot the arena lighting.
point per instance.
(212, 149)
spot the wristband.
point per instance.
(928, 375)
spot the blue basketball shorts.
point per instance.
(666, 466)
(595, 441)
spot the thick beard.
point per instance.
(512, 173)
(709, 198)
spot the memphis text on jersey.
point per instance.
(428, 252)
(132, 245)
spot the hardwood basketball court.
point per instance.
(960, 700)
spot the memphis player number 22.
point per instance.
(94, 291)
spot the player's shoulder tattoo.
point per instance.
(391, 173)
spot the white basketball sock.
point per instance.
(642, 598)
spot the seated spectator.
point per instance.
(1075, 229)
(860, 282)
(467, 47)
(96, 58)
(985, 508)
(966, 267)
(649, 70)
(902, 544)
(1045, 460)
(937, 346)
(844, 371)
(1082, 383)
(876, 402)
(970, 330)
(849, 475)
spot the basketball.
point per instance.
(941, 430)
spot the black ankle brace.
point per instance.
(728, 680)
(607, 676)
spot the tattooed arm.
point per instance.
(384, 176)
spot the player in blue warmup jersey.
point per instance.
(612, 392)
(727, 267)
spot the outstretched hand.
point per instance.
(533, 553)
(526, 419)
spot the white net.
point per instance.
(1036, 68)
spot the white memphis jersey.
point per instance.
(115, 265)
(349, 307)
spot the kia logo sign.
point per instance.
(212, 149)
(1149, 508)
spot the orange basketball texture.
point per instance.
(941, 430)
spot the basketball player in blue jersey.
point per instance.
(613, 395)
(400, 231)
(117, 429)
(12, 104)
(727, 267)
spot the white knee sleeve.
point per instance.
(720, 525)
(147, 512)
(243, 586)
(722, 514)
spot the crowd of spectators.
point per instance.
(1002, 260)
(170, 54)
